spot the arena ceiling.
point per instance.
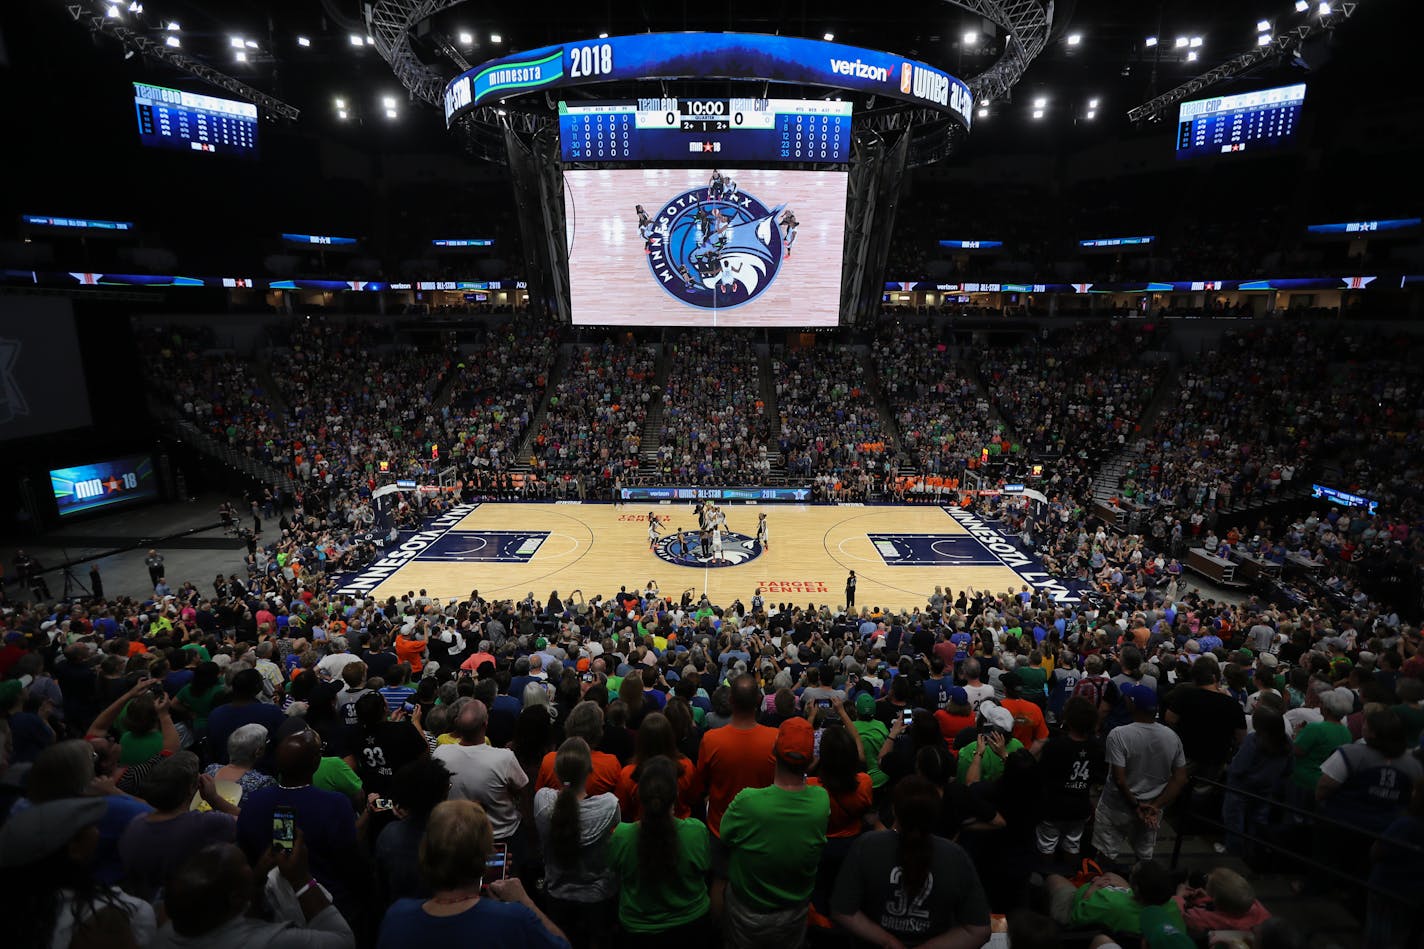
(1098, 62)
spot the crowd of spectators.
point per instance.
(831, 428)
(944, 419)
(594, 423)
(272, 762)
(1074, 392)
(715, 425)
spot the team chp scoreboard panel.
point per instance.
(172, 118)
(1250, 121)
(753, 130)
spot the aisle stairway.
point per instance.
(653, 422)
(188, 432)
(771, 405)
(520, 463)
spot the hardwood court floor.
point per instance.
(598, 548)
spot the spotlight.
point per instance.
(340, 102)
(1074, 39)
(1192, 56)
(971, 38)
(115, 13)
(1302, 5)
(603, 36)
(983, 113)
(1092, 103)
(1180, 42)
(389, 102)
(235, 42)
(251, 44)
(173, 42)
(135, 7)
(241, 56)
(391, 113)
(1263, 40)
(1092, 113)
(1196, 42)
(496, 38)
(303, 41)
(1263, 26)
(370, 41)
(828, 37)
(173, 26)
(342, 114)
(1038, 113)
(466, 39)
(1040, 102)
(1151, 42)
(1323, 9)
(357, 40)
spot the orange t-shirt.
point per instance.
(601, 780)
(731, 759)
(411, 651)
(951, 725)
(627, 791)
(1029, 725)
(847, 809)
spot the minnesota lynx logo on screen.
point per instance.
(716, 247)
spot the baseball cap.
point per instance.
(865, 704)
(1141, 697)
(1268, 660)
(795, 743)
(41, 830)
(957, 695)
(997, 716)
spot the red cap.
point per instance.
(795, 743)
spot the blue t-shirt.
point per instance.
(489, 923)
(226, 719)
(328, 826)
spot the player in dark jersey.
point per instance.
(788, 227)
(715, 185)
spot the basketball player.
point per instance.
(850, 592)
(714, 185)
(729, 271)
(653, 528)
(788, 227)
(682, 549)
(706, 544)
(729, 188)
(717, 545)
(762, 539)
(687, 280)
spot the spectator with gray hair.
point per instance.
(1317, 741)
(154, 845)
(240, 775)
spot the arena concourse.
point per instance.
(943, 476)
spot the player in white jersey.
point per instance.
(729, 272)
(716, 544)
(653, 528)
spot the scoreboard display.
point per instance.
(171, 118)
(1250, 121)
(722, 130)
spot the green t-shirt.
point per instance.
(615, 683)
(991, 766)
(775, 838)
(333, 774)
(199, 705)
(1034, 679)
(1313, 744)
(658, 904)
(200, 649)
(1163, 928)
(135, 748)
(1119, 912)
(1412, 717)
(872, 736)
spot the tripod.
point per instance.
(71, 581)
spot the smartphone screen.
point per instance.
(497, 866)
(823, 703)
(908, 715)
(284, 828)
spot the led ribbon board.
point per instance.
(1366, 227)
(970, 245)
(737, 56)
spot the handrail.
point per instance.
(1416, 930)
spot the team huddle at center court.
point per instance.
(707, 543)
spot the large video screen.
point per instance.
(172, 118)
(699, 247)
(42, 386)
(665, 130)
(1248, 122)
(104, 484)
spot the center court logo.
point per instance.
(737, 549)
(717, 247)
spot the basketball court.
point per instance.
(899, 554)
